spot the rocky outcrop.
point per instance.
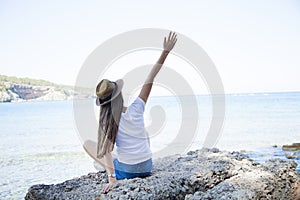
(13, 89)
(21, 92)
(292, 151)
(201, 174)
(291, 147)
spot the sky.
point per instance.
(255, 44)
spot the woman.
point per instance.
(125, 126)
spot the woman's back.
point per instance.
(132, 139)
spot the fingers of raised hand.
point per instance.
(173, 39)
(169, 35)
(169, 42)
(174, 35)
(174, 42)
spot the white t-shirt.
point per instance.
(132, 139)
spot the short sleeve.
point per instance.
(138, 106)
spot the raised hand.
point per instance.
(170, 42)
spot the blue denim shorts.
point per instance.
(141, 170)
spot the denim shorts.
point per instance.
(141, 170)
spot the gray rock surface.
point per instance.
(292, 151)
(201, 174)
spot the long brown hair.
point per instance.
(109, 119)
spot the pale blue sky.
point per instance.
(255, 44)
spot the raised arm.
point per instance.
(168, 46)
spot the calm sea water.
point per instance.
(39, 142)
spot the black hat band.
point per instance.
(109, 96)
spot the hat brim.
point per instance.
(120, 84)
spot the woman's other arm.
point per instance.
(109, 166)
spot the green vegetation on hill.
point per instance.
(27, 81)
(30, 81)
(2, 86)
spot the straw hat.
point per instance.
(107, 91)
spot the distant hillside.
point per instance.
(14, 89)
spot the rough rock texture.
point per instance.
(292, 151)
(24, 92)
(13, 89)
(291, 147)
(201, 174)
(21, 92)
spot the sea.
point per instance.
(40, 143)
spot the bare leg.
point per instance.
(91, 148)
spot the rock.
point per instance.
(5, 96)
(201, 174)
(292, 151)
(21, 92)
(292, 155)
(296, 194)
(292, 147)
